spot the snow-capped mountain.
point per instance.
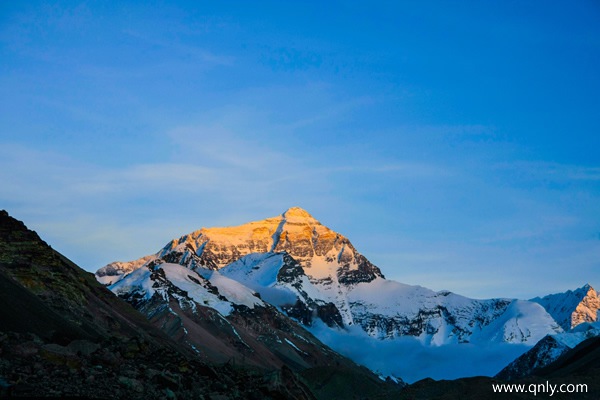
(548, 350)
(577, 312)
(221, 319)
(387, 309)
(295, 232)
(187, 287)
(114, 271)
(311, 272)
(572, 308)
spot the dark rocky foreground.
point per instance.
(64, 335)
(132, 369)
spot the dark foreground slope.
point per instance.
(582, 362)
(64, 335)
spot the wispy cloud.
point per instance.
(549, 171)
(192, 53)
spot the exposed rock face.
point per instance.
(324, 256)
(587, 310)
(572, 308)
(317, 248)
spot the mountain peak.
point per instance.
(297, 213)
(572, 307)
(323, 253)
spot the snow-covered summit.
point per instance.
(298, 215)
(323, 253)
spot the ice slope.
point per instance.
(387, 309)
(145, 282)
(258, 271)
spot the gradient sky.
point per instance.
(457, 144)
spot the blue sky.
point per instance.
(455, 143)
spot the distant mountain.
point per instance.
(315, 275)
(114, 271)
(63, 334)
(572, 308)
(577, 313)
(547, 351)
